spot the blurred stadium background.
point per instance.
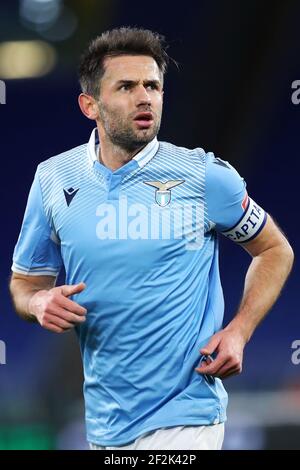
(232, 95)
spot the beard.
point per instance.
(120, 131)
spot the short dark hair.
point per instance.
(116, 42)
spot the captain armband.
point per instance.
(249, 226)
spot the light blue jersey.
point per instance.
(144, 240)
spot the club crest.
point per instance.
(163, 190)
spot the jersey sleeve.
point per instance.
(37, 252)
(229, 208)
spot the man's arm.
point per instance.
(36, 299)
(271, 264)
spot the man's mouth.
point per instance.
(144, 119)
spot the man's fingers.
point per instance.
(72, 289)
(60, 318)
(66, 315)
(53, 323)
(211, 346)
(60, 322)
(70, 305)
(229, 355)
(222, 367)
(229, 369)
(55, 329)
(213, 367)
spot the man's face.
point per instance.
(130, 102)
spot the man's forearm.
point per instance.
(265, 278)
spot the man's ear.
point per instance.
(88, 106)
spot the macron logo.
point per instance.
(69, 194)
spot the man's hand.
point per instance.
(229, 345)
(54, 311)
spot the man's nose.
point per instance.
(142, 96)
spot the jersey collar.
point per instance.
(142, 157)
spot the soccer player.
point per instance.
(134, 221)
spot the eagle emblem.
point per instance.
(163, 190)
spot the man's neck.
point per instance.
(113, 157)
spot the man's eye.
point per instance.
(125, 87)
(152, 86)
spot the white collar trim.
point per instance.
(142, 157)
